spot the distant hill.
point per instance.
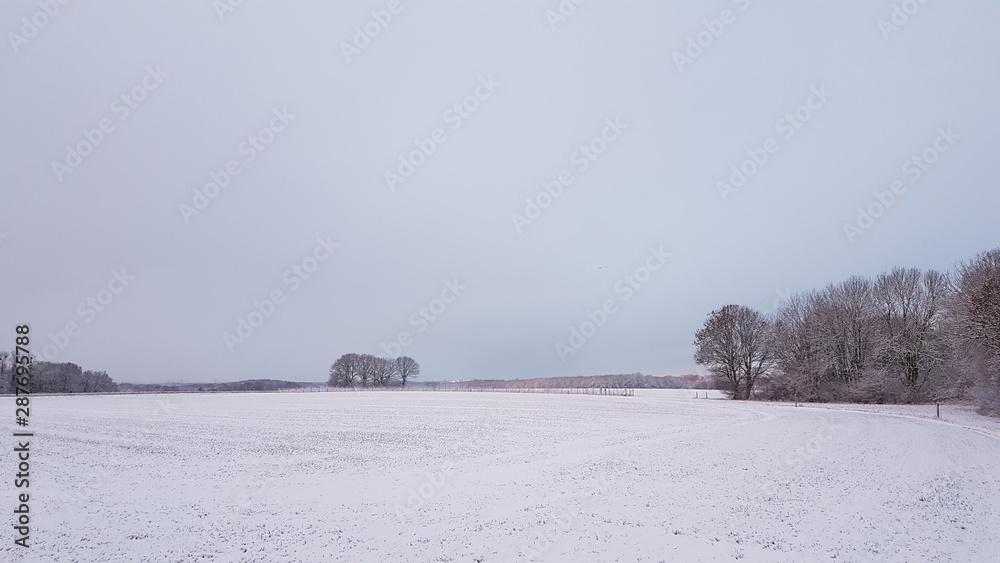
(257, 385)
(245, 385)
(615, 381)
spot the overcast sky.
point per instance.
(643, 108)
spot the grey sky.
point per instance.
(207, 83)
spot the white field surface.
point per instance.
(659, 477)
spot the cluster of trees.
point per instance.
(905, 336)
(47, 377)
(366, 370)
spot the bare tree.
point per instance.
(89, 381)
(406, 367)
(978, 291)
(847, 311)
(910, 304)
(366, 368)
(97, 382)
(736, 345)
(47, 377)
(7, 372)
(345, 371)
(975, 325)
(383, 371)
(801, 354)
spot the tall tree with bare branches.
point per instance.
(383, 371)
(406, 367)
(909, 305)
(6, 372)
(344, 372)
(975, 325)
(736, 346)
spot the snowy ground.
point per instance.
(492, 477)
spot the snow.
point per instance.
(660, 476)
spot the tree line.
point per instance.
(904, 336)
(48, 377)
(613, 381)
(367, 370)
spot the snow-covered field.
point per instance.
(492, 477)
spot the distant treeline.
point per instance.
(614, 381)
(246, 385)
(47, 377)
